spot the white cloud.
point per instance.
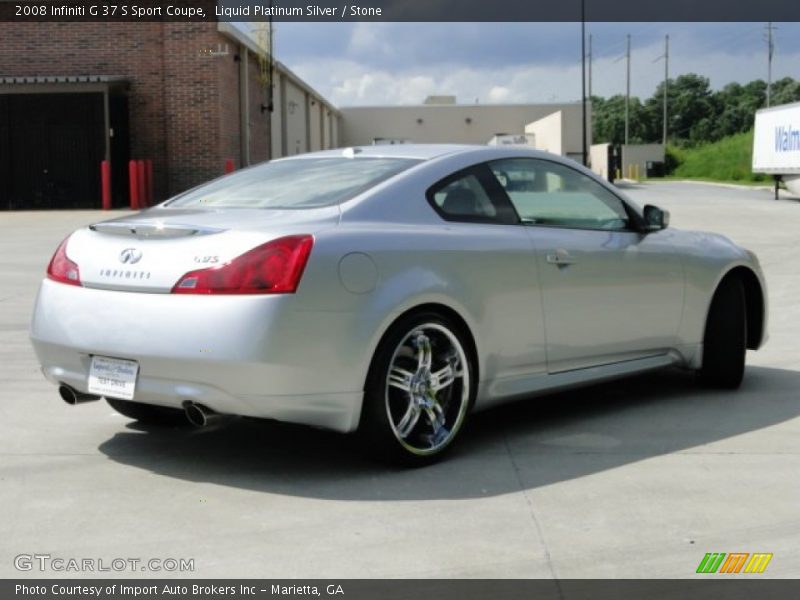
(395, 63)
(499, 93)
(347, 82)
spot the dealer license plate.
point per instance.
(112, 377)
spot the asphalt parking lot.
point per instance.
(638, 478)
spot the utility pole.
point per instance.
(627, 56)
(590, 66)
(770, 51)
(628, 91)
(666, 84)
(665, 56)
(583, 82)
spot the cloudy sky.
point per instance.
(402, 63)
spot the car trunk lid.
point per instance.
(151, 251)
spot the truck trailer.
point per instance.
(776, 145)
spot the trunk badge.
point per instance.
(130, 256)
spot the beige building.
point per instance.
(304, 121)
(552, 127)
(637, 157)
(625, 161)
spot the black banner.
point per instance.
(703, 588)
(400, 10)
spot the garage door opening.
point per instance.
(52, 144)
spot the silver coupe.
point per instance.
(389, 291)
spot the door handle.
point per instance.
(560, 258)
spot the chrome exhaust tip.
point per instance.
(72, 396)
(200, 416)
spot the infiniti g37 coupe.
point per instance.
(389, 290)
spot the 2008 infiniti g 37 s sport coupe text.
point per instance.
(389, 290)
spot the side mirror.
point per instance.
(655, 219)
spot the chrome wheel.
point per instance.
(427, 389)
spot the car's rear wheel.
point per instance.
(419, 391)
(147, 413)
(725, 339)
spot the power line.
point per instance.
(734, 40)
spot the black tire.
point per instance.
(386, 406)
(148, 414)
(725, 339)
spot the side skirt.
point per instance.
(498, 391)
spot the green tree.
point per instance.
(696, 114)
(692, 107)
(608, 118)
(784, 91)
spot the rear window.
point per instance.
(296, 183)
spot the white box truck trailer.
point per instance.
(776, 145)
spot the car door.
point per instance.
(610, 292)
(493, 269)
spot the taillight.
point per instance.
(273, 268)
(61, 268)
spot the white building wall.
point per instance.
(336, 131)
(302, 120)
(295, 116)
(598, 158)
(548, 133)
(459, 124)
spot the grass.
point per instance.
(744, 182)
(728, 160)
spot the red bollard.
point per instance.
(229, 167)
(149, 176)
(133, 180)
(105, 184)
(142, 184)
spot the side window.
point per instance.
(471, 196)
(551, 194)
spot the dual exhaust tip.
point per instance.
(72, 396)
(201, 416)
(198, 415)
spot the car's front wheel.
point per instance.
(419, 391)
(725, 340)
(147, 413)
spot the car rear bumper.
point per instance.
(246, 355)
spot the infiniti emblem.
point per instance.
(130, 256)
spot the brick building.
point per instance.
(188, 96)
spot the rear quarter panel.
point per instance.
(485, 273)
